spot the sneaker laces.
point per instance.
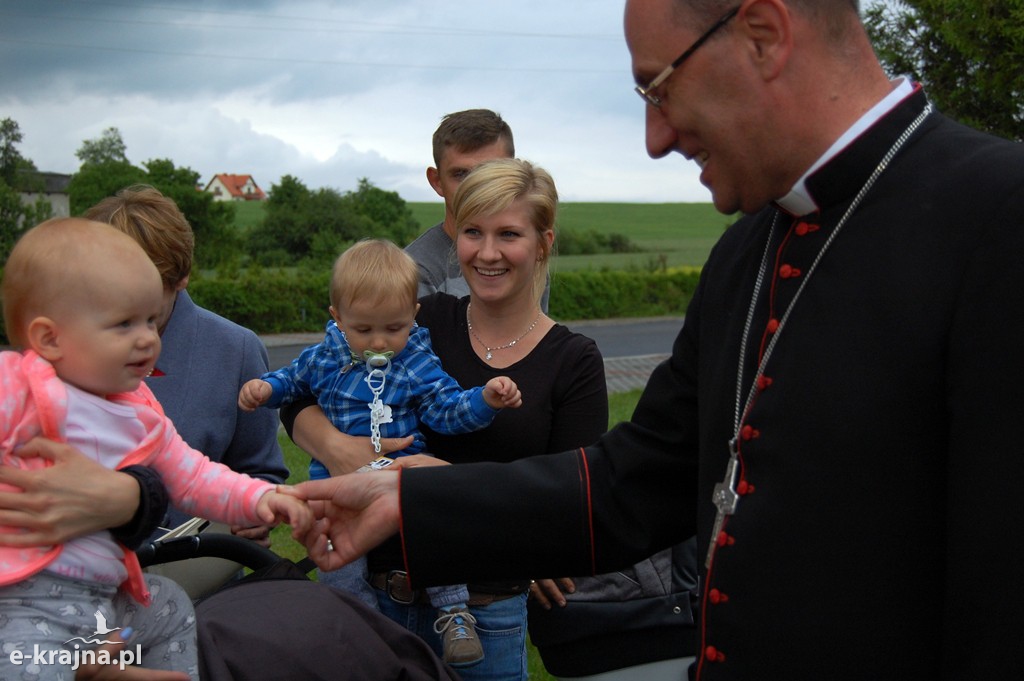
(457, 622)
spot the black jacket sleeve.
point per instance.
(152, 507)
(290, 410)
(579, 512)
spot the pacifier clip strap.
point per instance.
(375, 379)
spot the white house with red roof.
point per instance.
(225, 187)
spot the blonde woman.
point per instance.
(505, 216)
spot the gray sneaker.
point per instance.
(461, 646)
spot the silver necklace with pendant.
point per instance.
(506, 346)
(724, 495)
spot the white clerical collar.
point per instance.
(798, 201)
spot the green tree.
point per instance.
(388, 213)
(17, 175)
(301, 225)
(966, 53)
(283, 236)
(11, 160)
(96, 181)
(217, 243)
(105, 170)
(108, 147)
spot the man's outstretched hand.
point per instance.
(355, 513)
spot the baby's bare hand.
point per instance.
(502, 392)
(254, 394)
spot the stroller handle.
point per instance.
(215, 545)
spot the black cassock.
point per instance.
(879, 464)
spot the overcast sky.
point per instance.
(333, 91)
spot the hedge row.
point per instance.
(271, 301)
(267, 301)
(605, 295)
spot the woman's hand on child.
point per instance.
(254, 394)
(73, 497)
(502, 392)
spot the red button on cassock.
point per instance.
(788, 272)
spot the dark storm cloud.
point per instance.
(329, 91)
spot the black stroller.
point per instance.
(276, 623)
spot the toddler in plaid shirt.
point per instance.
(376, 374)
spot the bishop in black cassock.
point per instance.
(878, 460)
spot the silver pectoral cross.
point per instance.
(725, 498)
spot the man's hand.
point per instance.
(73, 497)
(356, 513)
(418, 461)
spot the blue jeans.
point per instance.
(501, 627)
(352, 579)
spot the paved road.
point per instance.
(631, 347)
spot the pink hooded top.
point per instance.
(33, 402)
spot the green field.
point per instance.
(668, 234)
(248, 214)
(683, 232)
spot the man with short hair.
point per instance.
(464, 140)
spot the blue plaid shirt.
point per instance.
(416, 388)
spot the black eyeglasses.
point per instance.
(647, 92)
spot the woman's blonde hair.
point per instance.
(375, 270)
(156, 223)
(495, 185)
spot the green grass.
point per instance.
(620, 408)
(248, 214)
(297, 461)
(669, 234)
(427, 213)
